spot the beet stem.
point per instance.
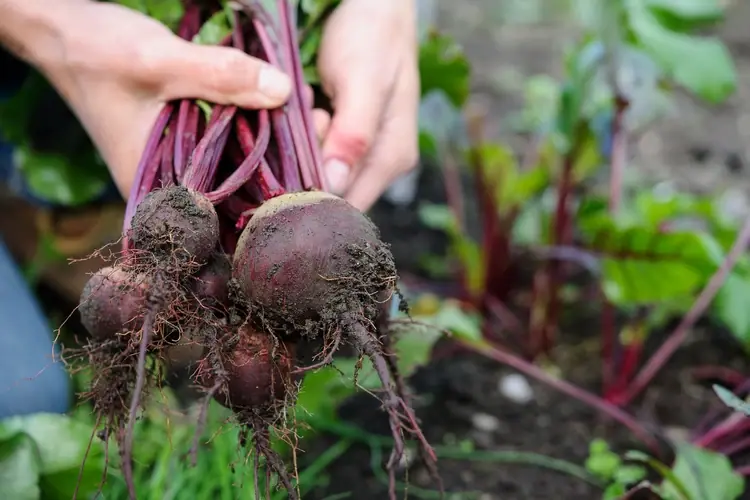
(202, 167)
(139, 189)
(289, 22)
(293, 162)
(248, 167)
(290, 162)
(185, 136)
(167, 156)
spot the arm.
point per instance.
(32, 29)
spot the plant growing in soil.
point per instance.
(230, 244)
(545, 225)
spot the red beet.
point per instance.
(258, 373)
(113, 301)
(211, 284)
(176, 220)
(310, 260)
(311, 265)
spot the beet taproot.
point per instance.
(211, 284)
(310, 260)
(113, 301)
(258, 372)
(175, 220)
(310, 265)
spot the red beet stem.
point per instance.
(147, 167)
(289, 22)
(288, 159)
(186, 136)
(247, 168)
(201, 170)
(167, 159)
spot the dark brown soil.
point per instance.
(462, 402)
(460, 399)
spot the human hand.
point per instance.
(369, 68)
(116, 67)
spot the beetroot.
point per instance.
(311, 265)
(258, 373)
(307, 268)
(113, 301)
(211, 284)
(310, 260)
(176, 221)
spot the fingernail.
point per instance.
(338, 175)
(274, 83)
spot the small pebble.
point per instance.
(516, 388)
(484, 422)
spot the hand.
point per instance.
(116, 68)
(368, 67)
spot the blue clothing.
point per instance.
(29, 379)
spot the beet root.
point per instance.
(175, 220)
(311, 265)
(112, 302)
(210, 285)
(258, 376)
(309, 260)
(252, 376)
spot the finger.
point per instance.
(309, 96)
(396, 150)
(358, 104)
(321, 122)
(222, 75)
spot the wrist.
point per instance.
(33, 30)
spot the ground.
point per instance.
(697, 147)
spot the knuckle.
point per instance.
(409, 158)
(354, 144)
(224, 69)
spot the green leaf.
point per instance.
(322, 391)
(732, 401)
(438, 118)
(513, 187)
(19, 468)
(452, 318)
(309, 47)
(691, 11)
(215, 29)
(643, 266)
(61, 441)
(705, 475)
(443, 66)
(680, 491)
(730, 305)
(16, 111)
(169, 12)
(65, 180)
(701, 64)
(603, 465)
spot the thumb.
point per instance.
(358, 105)
(222, 75)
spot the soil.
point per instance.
(696, 147)
(461, 401)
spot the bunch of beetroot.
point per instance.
(231, 246)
